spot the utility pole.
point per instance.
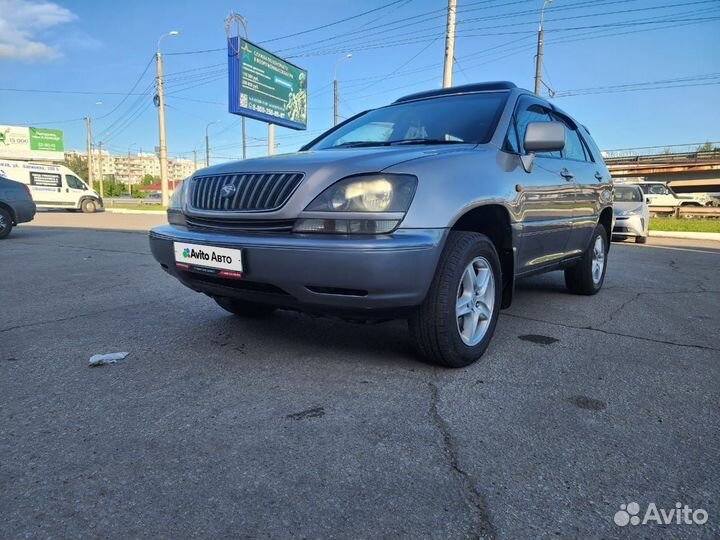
(88, 124)
(538, 57)
(271, 139)
(195, 158)
(207, 149)
(100, 166)
(161, 117)
(336, 90)
(449, 44)
(207, 141)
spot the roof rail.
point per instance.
(477, 87)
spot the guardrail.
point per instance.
(127, 201)
(685, 211)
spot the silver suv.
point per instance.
(427, 209)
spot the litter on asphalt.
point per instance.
(103, 359)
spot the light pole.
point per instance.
(538, 57)
(336, 91)
(207, 142)
(161, 117)
(128, 171)
(88, 126)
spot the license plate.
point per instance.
(208, 256)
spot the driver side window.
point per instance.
(74, 182)
(533, 113)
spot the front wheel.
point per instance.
(588, 274)
(641, 239)
(6, 223)
(89, 206)
(455, 323)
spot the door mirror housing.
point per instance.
(544, 137)
(647, 200)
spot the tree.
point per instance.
(707, 147)
(77, 164)
(149, 179)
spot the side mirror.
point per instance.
(542, 137)
(647, 200)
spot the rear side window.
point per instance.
(574, 148)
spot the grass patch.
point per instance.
(685, 225)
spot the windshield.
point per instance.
(628, 194)
(469, 118)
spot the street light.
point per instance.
(161, 118)
(207, 142)
(128, 170)
(336, 101)
(538, 58)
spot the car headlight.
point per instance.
(385, 196)
(368, 193)
(177, 203)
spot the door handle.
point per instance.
(598, 176)
(567, 175)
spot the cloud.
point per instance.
(21, 21)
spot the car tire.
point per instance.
(88, 206)
(587, 276)
(445, 332)
(243, 308)
(641, 239)
(6, 223)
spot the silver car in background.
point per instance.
(427, 209)
(632, 214)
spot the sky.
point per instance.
(61, 61)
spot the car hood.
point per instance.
(628, 207)
(336, 163)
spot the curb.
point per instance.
(126, 211)
(688, 235)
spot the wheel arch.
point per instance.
(8, 208)
(493, 220)
(606, 220)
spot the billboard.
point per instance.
(17, 142)
(266, 87)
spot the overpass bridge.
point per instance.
(683, 167)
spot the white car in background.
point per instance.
(632, 215)
(660, 194)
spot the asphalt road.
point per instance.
(218, 427)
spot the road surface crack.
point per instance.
(485, 527)
(608, 332)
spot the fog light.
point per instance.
(346, 226)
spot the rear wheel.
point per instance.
(242, 308)
(89, 206)
(456, 322)
(588, 275)
(6, 223)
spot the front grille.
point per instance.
(253, 192)
(230, 226)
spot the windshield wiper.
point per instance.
(425, 141)
(358, 144)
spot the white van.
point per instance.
(52, 186)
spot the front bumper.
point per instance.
(322, 273)
(630, 226)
